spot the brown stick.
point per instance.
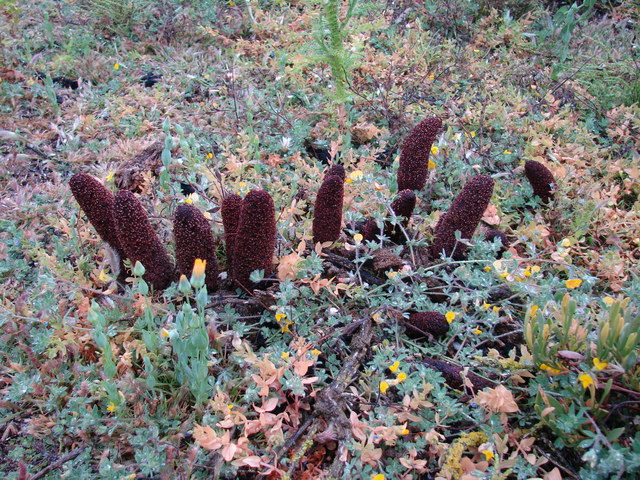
(57, 464)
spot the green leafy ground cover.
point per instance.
(99, 381)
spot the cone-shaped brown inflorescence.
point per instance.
(193, 237)
(97, 203)
(403, 207)
(230, 211)
(422, 323)
(541, 180)
(414, 158)
(336, 170)
(139, 240)
(492, 233)
(327, 213)
(256, 238)
(463, 215)
(451, 374)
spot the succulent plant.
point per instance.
(414, 157)
(336, 170)
(255, 239)
(193, 237)
(97, 203)
(541, 179)
(230, 211)
(327, 213)
(421, 323)
(464, 215)
(139, 241)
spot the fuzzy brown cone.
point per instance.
(193, 237)
(256, 238)
(97, 203)
(464, 215)
(541, 179)
(414, 157)
(327, 213)
(230, 211)
(336, 170)
(139, 240)
(422, 323)
(403, 207)
(451, 374)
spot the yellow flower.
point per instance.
(392, 275)
(356, 175)
(487, 268)
(116, 66)
(450, 316)
(473, 134)
(231, 3)
(434, 150)
(103, 277)
(198, 268)
(315, 352)
(404, 431)
(384, 386)
(535, 269)
(432, 164)
(242, 185)
(358, 238)
(395, 366)
(377, 477)
(432, 76)
(348, 180)
(496, 309)
(527, 272)
(477, 331)
(504, 274)
(280, 317)
(206, 76)
(164, 332)
(586, 380)
(566, 243)
(401, 377)
(475, 50)
(230, 407)
(209, 155)
(507, 152)
(599, 364)
(111, 407)
(573, 283)
(488, 455)
(609, 300)
(285, 355)
(485, 306)
(109, 176)
(549, 370)
(207, 215)
(534, 310)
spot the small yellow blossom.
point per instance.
(507, 152)
(199, 267)
(379, 476)
(348, 180)
(164, 332)
(133, 476)
(434, 150)
(206, 76)
(356, 175)
(609, 300)
(392, 275)
(109, 176)
(485, 306)
(535, 269)
(487, 268)
(384, 386)
(586, 380)
(527, 272)
(401, 377)
(496, 309)
(230, 407)
(476, 50)
(395, 366)
(504, 274)
(432, 76)
(207, 215)
(209, 155)
(103, 277)
(358, 238)
(280, 317)
(488, 455)
(549, 370)
(431, 164)
(404, 431)
(534, 310)
(116, 66)
(573, 283)
(450, 316)
(473, 134)
(111, 407)
(600, 365)
(242, 185)
(477, 331)
(285, 355)
(315, 352)
(565, 243)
